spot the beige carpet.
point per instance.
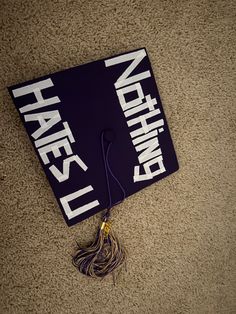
(180, 232)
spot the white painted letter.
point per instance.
(148, 174)
(55, 136)
(70, 197)
(53, 118)
(132, 103)
(54, 148)
(145, 127)
(149, 104)
(36, 89)
(63, 176)
(149, 150)
(137, 57)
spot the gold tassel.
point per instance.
(103, 256)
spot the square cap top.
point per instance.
(99, 131)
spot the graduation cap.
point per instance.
(101, 135)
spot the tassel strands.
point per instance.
(103, 256)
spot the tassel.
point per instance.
(105, 254)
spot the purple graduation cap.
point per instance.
(99, 131)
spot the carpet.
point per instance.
(179, 232)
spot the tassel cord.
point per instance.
(104, 254)
(108, 169)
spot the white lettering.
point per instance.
(148, 173)
(54, 148)
(145, 138)
(55, 136)
(149, 151)
(36, 89)
(137, 57)
(125, 90)
(53, 118)
(63, 176)
(70, 197)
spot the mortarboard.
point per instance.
(101, 135)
